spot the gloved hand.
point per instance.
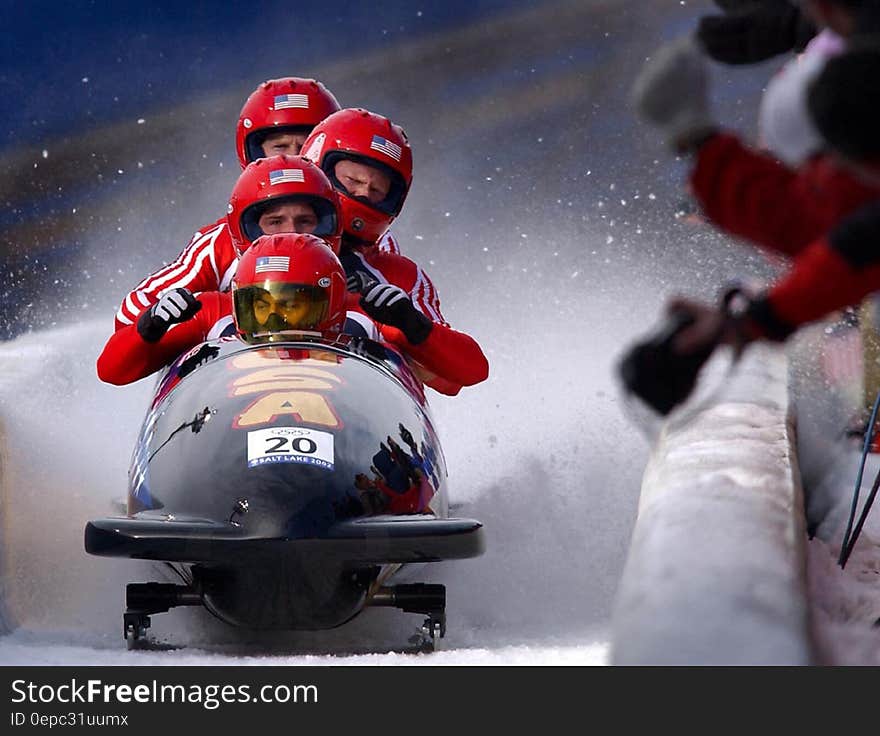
(391, 305)
(707, 327)
(657, 372)
(176, 306)
(730, 322)
(758, 32)
(671, 94)
(663, 369)
(360, 282)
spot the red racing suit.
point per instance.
(208, 263)
(127, 357)
(453, 357)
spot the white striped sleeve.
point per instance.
(388, 244)
(186, 266)
(181, 272)
(425, 297)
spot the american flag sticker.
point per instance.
(281, 176)
(283, 102)
(385, 146)
(272, 263)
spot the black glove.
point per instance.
(360, 282)
(663, 368)
(392, 306)
(758, 32)
(176, 306)
(658, 374)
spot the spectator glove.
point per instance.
(671, 94)
(754, 32)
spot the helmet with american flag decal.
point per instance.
(271, 183)
(289, 104)
(288, 283)
(381, 150)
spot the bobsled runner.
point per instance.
(285, 483)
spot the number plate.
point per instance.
(290, 445)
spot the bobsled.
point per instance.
(285, 484)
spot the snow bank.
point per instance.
(845, 602)
(19, 364)
(68, 439)
(716, 568)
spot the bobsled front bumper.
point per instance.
(365, 541)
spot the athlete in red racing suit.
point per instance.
(369, 161)
(275, 120)
(181, 321)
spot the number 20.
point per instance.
(300, 445)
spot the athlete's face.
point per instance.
(363, 181)
(288, 143)
(289, 217)
(292, 309)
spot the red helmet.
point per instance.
(269, 182)
(286, 283)
(366, 138)
(279, 105)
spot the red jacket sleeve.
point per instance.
(821, 281)
(838, 270)
(454, 357)
(753, 196)
(127, 357)
(199, 267)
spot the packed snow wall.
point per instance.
(716, 572)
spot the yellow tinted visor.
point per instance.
(268, 310)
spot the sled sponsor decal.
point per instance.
(299, 445)
(284, 377)
(288, 389)
(301, 406)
